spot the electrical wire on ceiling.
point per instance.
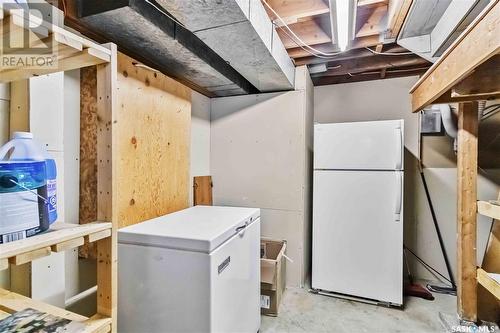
(303, 48)
(297, 39)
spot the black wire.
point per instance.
(495, 109)
(426, 265)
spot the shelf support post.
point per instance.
(466, 210)
(106, 248)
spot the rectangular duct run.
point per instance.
(151, 36)
(241, 32)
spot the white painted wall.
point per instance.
(261, 147)
(389, 99)
(200, 138)
(372, 100)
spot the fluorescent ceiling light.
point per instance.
(342, 20)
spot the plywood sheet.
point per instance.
(202, 191)
(152, 143)
(88, 152)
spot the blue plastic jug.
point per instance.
(26, 148)
(23, 193)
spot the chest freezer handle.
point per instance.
(242, 227)
(399, 148)
(399, 196)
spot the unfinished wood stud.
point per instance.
(30, 256)
(467, 210)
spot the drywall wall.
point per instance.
(389, 99)
(4, 137)
(260, 157)
(200, 139)
(373, 100)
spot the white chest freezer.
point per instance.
(196, 270)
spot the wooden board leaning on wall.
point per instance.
(151, 140)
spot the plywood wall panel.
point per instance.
(88, 152)
(152, 145)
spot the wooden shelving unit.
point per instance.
(72, 52)
(490, 281)
(60, 237)
(11, 302)
(488, 209)
(467, 71)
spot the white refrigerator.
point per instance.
(358, 210)
(196, 270)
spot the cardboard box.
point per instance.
(272, 275)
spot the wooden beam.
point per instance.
(26, 257)
(479, 42)
(373, 24)
(349, 54)
(383, 71)
(328, 80)
(87, 57)
(488, 282)
(370, 3)
(4, 264)
(67, 245)
(202, 192)
(483, 82)
(311, 32)
(357, 43)
(397, 11)
(297, 10)
(375, 63)
(488, 209)
(488, 307)
(107, 275)
(467, 210)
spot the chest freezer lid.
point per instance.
(199, 228)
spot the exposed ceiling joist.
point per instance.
(327, 80)
(351, 54)
(397, 12)
(374, 23)
(297, 10)
(374, 63)
(311, 32)
(358, 43)
(372, 3)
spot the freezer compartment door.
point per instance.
(374, 145)
(358, 234)
(235, 282)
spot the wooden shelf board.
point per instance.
(487, 209)
(11, 302)
(489, 281)
(3, 314)
(73, 51)
(58, 233)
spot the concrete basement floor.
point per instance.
(301, 311)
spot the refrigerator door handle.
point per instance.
(399, 196)
(399, 148)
